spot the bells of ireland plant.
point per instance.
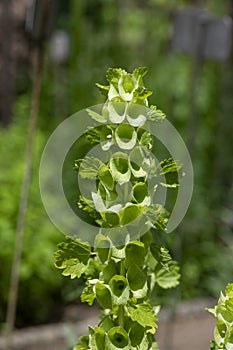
(126, 261)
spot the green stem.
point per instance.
(121, 307)
(122, 269)
(121, 316)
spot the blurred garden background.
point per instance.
(195, 90)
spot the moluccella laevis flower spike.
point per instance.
(126, 87)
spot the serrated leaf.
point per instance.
(229, 290)
(87, 205)
(141, 93)
(161, 254)
(88, 295)
(168, 277)
(157, 216)
(72, 249)
(73, 268)
(89, 167)
(169, 168)
(96, 116)
(146, 140)
(93, 135)
(139, 72)
(144, 315)
(155, 114)
(114, 74)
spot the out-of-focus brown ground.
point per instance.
(190, 329)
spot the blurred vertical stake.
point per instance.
(38, 24)
(7, 63)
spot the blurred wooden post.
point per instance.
(6, 64)
(38, 26)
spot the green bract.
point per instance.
(223, 332)
(124, 265)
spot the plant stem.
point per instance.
(121, 316)
(121, 307)
(122, 270)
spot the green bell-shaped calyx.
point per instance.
(117, 338)
(120, 290)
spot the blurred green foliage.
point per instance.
(108, 33)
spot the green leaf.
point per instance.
(87, 205)
(135, 254)
(103, 296)
(141, 93)
(155, 114)
(229, 290)
(161, 254)
(73, 268)
(88, 295)
(90, 167)
(139, 72)
(117, 338)
(157, 216)
(168, 277)
(96, 116)
(103, 88)
(114, 74)
(146, 140)
(83, 345)
(72, 249)
(144, 315)
(171, 169)
(93, 135)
